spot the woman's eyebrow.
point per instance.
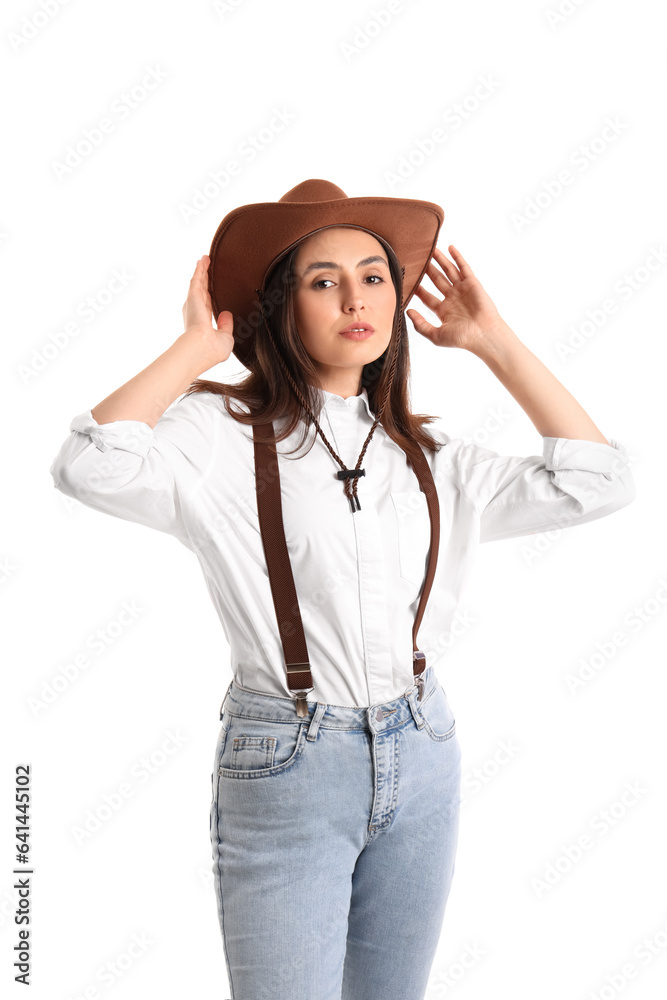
(321, 264)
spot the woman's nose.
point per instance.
(352, 296)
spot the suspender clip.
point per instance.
(301, 703)
(303, 669)
(419, 659)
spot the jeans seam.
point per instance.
(219, 878)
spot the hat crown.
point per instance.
(313, 190)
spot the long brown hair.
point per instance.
(267, 391)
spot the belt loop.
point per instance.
(225, 698)
(411, 695)
(320, 709)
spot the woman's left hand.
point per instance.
(466, 312)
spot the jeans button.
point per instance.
(379, 715)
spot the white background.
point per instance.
(363, 98)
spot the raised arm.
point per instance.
(553, 410)
(146, 396)
(128, 457)
(581, 475)
(469, 319)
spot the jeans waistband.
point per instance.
(384, 716)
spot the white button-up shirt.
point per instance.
(358, 575)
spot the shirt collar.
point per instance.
(354, 403)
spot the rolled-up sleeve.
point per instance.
(129, 470)
(574, 482)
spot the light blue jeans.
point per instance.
(334, 838)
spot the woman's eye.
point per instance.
(323, 280)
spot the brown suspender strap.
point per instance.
(422, 470)
(283, 590)
(285, 601)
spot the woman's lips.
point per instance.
(358, 335)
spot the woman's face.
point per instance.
(337, 285)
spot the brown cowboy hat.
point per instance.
(252, 238)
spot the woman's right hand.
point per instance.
(198, 317)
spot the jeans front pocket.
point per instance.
(258, 748)
(437, 714)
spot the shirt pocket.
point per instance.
(414, 534)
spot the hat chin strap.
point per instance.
(350, 477)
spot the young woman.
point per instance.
(335, 561)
